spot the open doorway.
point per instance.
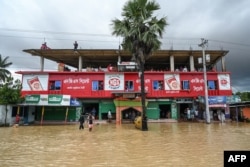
(92, 108)
(183, 110)
(165, 111)
(129, 114)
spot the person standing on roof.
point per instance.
(75, 45)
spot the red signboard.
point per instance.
(81, 84)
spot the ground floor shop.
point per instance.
(123, 110)
(240, 111)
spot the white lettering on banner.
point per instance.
(69, 80)
(197, 88)
(75, 81)
(75, 87)
(146, 81)
(197, 80)
(83, 81)
(146, 88)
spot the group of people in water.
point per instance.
(90, 120)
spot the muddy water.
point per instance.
(165, 144)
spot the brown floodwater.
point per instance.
(111, 145)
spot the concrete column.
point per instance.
(223, 64)
(41, 63)
(191, 63)
(119, 59)
(80, 63)
(172, 63)
(118, 115)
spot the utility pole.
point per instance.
(203, 44)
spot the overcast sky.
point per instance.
(26, 24)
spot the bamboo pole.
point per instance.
(66, 115)
(18, 110)
(42, 116)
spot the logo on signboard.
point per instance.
(114, 83)
(223, 82)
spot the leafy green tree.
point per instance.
(10, 93)
(244, 96)
(141, 31)
(4, 73)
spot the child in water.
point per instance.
(17, 120)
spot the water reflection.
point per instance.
(165, 144)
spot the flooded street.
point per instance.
(165, 144)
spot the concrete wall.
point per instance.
(9, 119)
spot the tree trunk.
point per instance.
(6, 112)
(143, 100)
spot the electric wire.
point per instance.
(107, 35)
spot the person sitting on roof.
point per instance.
(185, 69)
(110, 68)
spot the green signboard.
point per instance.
(62, 100)
(55, 99)
(34, 99)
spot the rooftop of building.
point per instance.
(103, 57)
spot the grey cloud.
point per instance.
(224, 23)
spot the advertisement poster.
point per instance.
(217, 100)
(172, 82)
(35, 82)
(114, 82)
(224, 82)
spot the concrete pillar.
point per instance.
(119, 58)
(80, 63)
(223, 64)
(191, 63)
(42, 63)
(118, 115)
(171, 63)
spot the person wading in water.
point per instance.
(91, 121)
(81, 120)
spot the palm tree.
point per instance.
(140, 31)
(4, 73)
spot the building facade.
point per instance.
(106, 80)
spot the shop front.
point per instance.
(53, 108)
(132, 106)
(218, 108)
